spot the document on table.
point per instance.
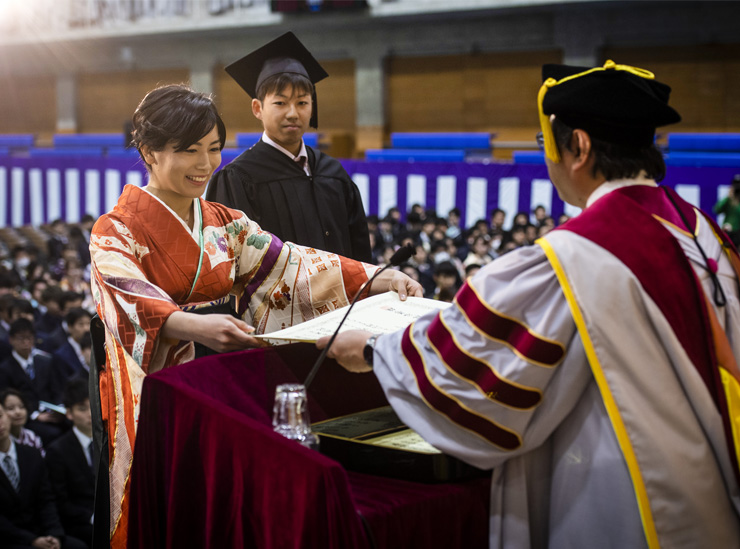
(380, 314)
(405, 440)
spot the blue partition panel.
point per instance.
(16, 140)
(247, 139)
(702, 159)
(229, 154)
(412, 155)
(446, 140)
(704, 142)
(528, 157)
(123, 152)
(66, 152)
(89, 140)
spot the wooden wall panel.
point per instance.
(28, 104)
(234, 105)
(475, 92)
(107, 100)
(336, 99)
(704, 79)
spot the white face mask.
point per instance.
(439, 257)
(22, 262)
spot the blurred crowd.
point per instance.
(448, 252)
(45, 347)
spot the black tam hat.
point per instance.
(614, 103)
(285, 54)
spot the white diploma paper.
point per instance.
(381, 314)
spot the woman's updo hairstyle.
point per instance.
(174, 113)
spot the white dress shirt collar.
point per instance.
(78, 352)
(84, 442)
(24, 362)
(11, 452)
(294, 157)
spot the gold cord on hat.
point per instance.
(551, 148)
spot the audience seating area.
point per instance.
(434, 147)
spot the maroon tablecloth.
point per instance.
(209, 472)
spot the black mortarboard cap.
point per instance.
(285, 54)
(614, 103)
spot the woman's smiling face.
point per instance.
(185, 172)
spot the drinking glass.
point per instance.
(290, 415)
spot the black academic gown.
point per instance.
(323, 210)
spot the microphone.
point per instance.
(401, 255)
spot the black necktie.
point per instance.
(301, 161)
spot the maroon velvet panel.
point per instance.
(209, 471)
(209, 476)
(410, 514)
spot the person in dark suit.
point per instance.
(70, 464)
(32, 372)
(28, 514)
(22, 308)
(69, 356)
(52, 317)
(6, 306)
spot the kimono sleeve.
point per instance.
(279, 284)
(494, 374)
(132, 308)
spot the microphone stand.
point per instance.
(401, 256)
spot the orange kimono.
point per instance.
(147, 263)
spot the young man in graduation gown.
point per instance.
(594, 372)
(293, 191)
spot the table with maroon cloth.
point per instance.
(209, 472)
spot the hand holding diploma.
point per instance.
(398, 282)
(347, 349)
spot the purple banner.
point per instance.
(39, 190)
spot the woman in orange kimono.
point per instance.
(163, 252)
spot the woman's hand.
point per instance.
(397, 281)
(222, 333)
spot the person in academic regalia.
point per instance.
(292, 190)
(594, 372)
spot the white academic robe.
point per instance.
(519, 396)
